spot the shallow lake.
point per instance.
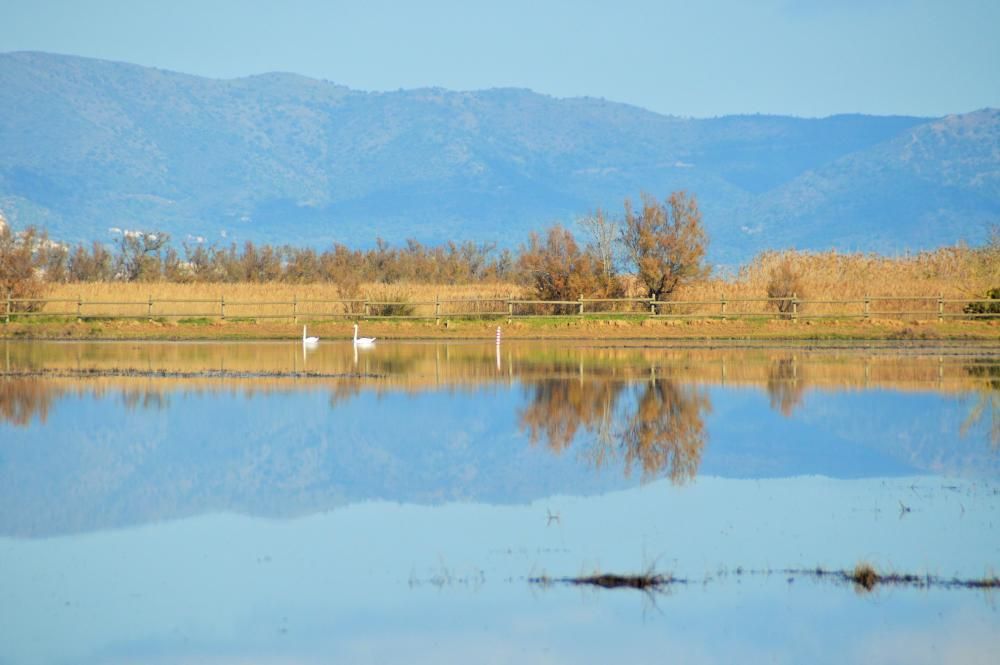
(423, 502)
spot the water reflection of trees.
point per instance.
(656, 426)
(560, 408)
(987, 405)
(22, 399)
(784, 387)
(144, 398)
(666, 433)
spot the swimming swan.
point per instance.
(308, 340)
(362, 341)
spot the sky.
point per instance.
(808, 58)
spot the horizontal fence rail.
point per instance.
(723, 308)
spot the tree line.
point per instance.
(663, 243)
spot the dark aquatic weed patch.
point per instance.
(642, 582)
(864, 577)
(175, 374)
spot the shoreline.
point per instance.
(647, 329)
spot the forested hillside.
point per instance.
(89, 145)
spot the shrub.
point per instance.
(990, 309)
(559, 270)
(784, 282)
(393, 303)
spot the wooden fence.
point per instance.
(794, 308)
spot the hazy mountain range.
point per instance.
(86, 145)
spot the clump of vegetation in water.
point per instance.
(647, 581)
(864, 576)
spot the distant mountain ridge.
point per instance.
(90, 144)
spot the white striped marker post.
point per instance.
(498, 348)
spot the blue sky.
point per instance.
(797, 57)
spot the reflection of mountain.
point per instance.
(85, 454)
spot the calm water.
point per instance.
(249, 503)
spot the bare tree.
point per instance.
(140, 254)
(666, 242)
(604, 233)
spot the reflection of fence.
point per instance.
(868, 307)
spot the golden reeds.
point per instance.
(273, 299)
(891, 284)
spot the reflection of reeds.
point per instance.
(427, 365)
(572, 391)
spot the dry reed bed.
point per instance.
(243, 300)
(951, 273)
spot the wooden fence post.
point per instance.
(222, 306)
(366, 306)
(149, 309)
(7, 317)
(510, 308)
(295, 308)
(79, 305)
(940, 307)
(437, 309)
(581, 304)
(723, 300)
(868, 303)
(795, 307)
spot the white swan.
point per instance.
(362, 341)
(308, 341)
